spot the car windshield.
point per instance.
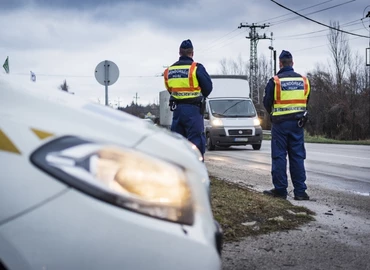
(232, 108)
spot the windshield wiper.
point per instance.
(218, 114)
(240, 115)
(232, 115)
(232, 106)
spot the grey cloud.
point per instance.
(85, 4)
(192, 16)
(177, 14)
(344, 10)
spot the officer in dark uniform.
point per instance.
(189, 84)
(286, 98)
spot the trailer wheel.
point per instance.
(210, 145)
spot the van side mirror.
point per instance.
(206, 115)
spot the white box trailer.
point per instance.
(165, 114)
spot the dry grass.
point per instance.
(234, 205)
(320, 139)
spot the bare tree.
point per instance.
(264, 74)
(340, 51)
(234, 67)
(339, 104)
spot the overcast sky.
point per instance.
(66, 39)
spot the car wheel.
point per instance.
(210, 145)
(256, 146)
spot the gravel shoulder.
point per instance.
(338, 239)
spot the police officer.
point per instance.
(188, 84)
(286, 97)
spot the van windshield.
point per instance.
(232, 108)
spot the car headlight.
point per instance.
(120, 176)
(192, 147)
(194, 150)
(256, 122)
(217, 122)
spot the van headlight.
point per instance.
(217, 122)
(120, 176)
(256, 122)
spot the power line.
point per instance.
(312, 20)
(218, 48)
(318, 31)
(222, 42)
(298, 10)
(313, 12)
(296, 38)
(217, 39)
(367, 16)
(358, 21)
(319, 46)
(232, 41)
(86, 76)
(213, 43)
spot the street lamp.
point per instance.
(273, 58)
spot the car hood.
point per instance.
(30, 117)
(59, 113)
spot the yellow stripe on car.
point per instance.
(7, 145)
(41, 134)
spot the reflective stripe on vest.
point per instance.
(182, 81)
(290, 95)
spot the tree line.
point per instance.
(339, 104)
(142, 111)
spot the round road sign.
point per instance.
(106, 72)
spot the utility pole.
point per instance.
(253, 69)
(273, 57)
(136, 97)
(367, 59)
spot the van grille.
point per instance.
(240, 132)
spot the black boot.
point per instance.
(274, 193)
(303, 197)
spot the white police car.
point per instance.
(83, 186)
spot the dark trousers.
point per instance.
(288, 138)
(188, 121)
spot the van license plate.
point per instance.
(241, 139)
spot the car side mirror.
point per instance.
(206, 115)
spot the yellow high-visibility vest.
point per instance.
(290, 95)
(181, 81)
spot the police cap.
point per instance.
(285, 55)
(186, 44)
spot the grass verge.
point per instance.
(320, 139)
(243, 212)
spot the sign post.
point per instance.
(106, 73)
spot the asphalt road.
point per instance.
(338, 180)
(337, 167)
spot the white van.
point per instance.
(230, 117)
